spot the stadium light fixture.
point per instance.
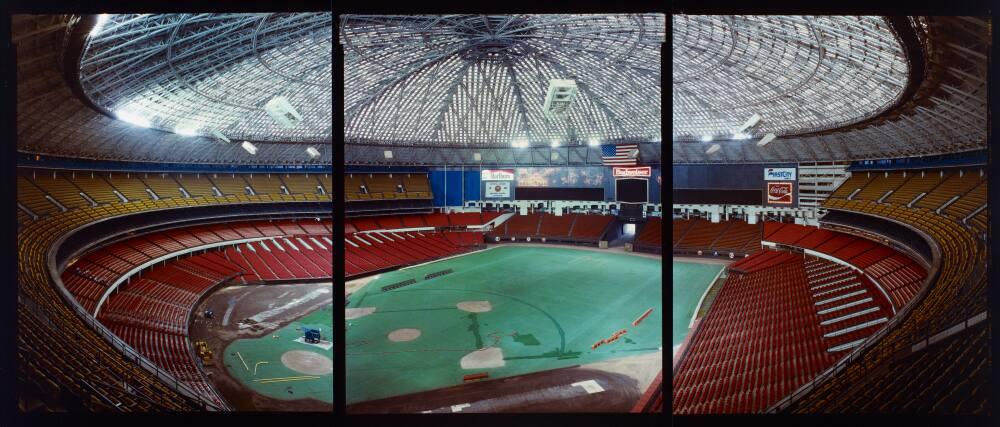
(313, 153)
(520, 143)
(132, 117)
(252, 149)
(593, 142)
(741, 136)
(766, 139)
(555, 143)
(706, 138)
(713, 148)
(99, 25)
(749, 123)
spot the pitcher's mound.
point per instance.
(400, 335)
(354, 313)
(489, 357)
(475, 306)
(307, 362)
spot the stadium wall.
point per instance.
(452, 187)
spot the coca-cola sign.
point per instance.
(779, 193)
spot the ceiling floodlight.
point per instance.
(713, 148)
(519, 143)
(706, 138)
(477, 157)
(559, 97)
(220, 136)
(555, 143)
(132, 117)
(99, 25)
(387, 154)
(249, 147)
(187, 129)
(593, 142)
(282, 112)
(313, 153)
(741, 136)
(767, 138)
(749, 123)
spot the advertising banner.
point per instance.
(628, 172)
(497, 190)
(780, 193)
(497, 175)
(779, 174)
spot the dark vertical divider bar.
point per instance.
(340, 370)
(9, 239)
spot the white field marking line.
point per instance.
(843, 347)
(445, 259)
(703, 294)
(849, 316)
(842, 288)
(283, 294)
(459, 407)
(259, 317)
(840, 307)
(590, 385)
(838, 298)
(856, 327)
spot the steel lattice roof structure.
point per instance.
(830, 88)
(440, 89)
(163, 87)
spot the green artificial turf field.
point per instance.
(689, 282)
(270, 349)
(548, 306)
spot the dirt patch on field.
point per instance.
(356, 285)
(354, 313)
(475, 306)
(234, 304)
(489, 357)
(401, 335)
(642, 368)
(307, 362)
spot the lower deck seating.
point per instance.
(650, 237)
(573, 228)
(369, 252)
(897, 274)
(733, 236)
(82, 366)
(151, 312)
(894, 374)
(780, 319)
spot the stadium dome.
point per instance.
(829, 88)
(474, 81)
(176, 87)
(170, 167)
(830, 215)
(500, 171)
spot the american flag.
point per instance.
(620, 155)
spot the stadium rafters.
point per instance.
(157, 87)
(480, 81)
(831, 88)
